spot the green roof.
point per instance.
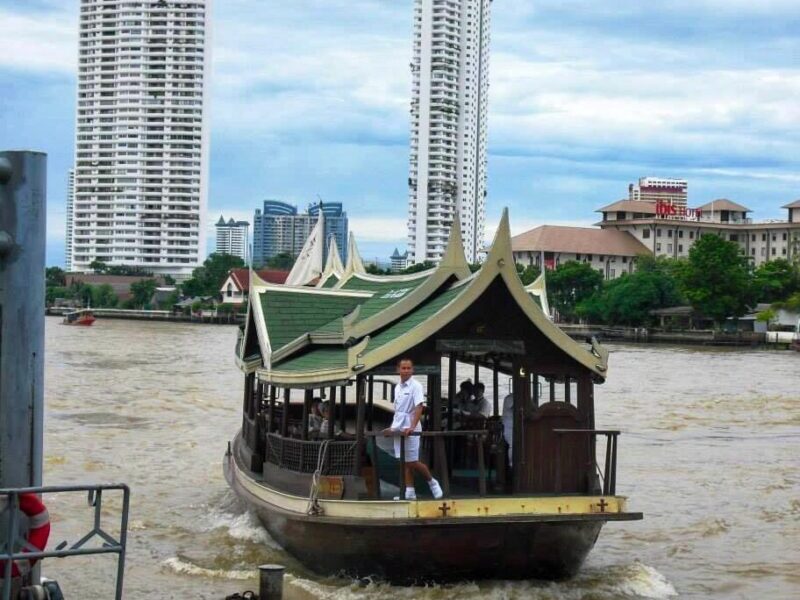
(414, 318)
(318, 359)
(290, 314)
(330, 281)
(383, 287)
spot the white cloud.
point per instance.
(379, 229)
(46, 42)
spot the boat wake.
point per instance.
(634, 581)
(182, 566)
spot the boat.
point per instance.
(524, 494)
(82, 316)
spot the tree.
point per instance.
(103, 296)
(571, 283)
(775, 280)
(207, 279)
(629, 299)
(418, 267)
(283, 261)
(716, 279)
(141, 293)
(374, 269)
(98, 266)
(55, 277)
(528, 274)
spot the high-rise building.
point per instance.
(68, 233)
(660, 189)
(233, 237)
(281, 229)
(141, 151)
(449, 108)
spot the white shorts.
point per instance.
(412, 448)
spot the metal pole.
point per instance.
(23, 207)
(270, 584)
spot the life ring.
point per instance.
(38, 532)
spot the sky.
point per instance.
(310, 98)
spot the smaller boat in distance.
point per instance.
(82, 316)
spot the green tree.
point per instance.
(571, 283)
(141, 293)
(418, 267)
(716, 279)
(54, 276)
(208, 279)
(629, 299)
(775, 280)
(528, 274)
(283, 261)
(103, 296)
(374, 269)
(98, 266)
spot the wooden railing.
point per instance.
(609, 473)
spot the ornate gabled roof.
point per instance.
(333, 266)
(317, 336)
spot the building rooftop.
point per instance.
(630, 206)
(242, 277)
(795, 204)
(579, 240)
(723, 204)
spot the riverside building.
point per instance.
(450, 84)
(233, 238)
(630, 228)
(279, 228)
(660, 189)
(141, 150)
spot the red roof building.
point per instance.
(237, 285)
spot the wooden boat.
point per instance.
(533, 510)
(83, 316)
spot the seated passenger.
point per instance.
(479, 406)
(463, 399)
(325, 411)
(315, 418)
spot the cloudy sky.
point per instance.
(311, 97)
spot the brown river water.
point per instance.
(710, 452)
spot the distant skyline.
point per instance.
(585, 99)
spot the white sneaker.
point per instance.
(436, 489)
(411, 494)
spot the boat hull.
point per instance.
(422, 550)
(432, 552)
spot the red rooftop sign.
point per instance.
(666, 210)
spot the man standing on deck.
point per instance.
(409, 402)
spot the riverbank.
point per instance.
(203, 318)
(700, 337)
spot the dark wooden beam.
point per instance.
(496, 390)
(361, 401)
(307, 398)
(343, 413)
(273, 393)
(287, 395)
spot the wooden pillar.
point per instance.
(552, 388)
(567, 389)
(343, 412)
(451, 389)
(495, 390)
(360, 406)
(370, 397)
(585, 402)
(439, 453)
(259, 398)
(477, 371)
(287, 394)
(331, 412)
(535, 394)
(518, 383)
(307, 398)
(273, 392)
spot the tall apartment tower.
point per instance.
(233, 237)
(70, 208)
(449, 109)
(141, 151)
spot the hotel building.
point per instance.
(233, 237)
(450, 85)
(660, 189)
(141, 151)
(630, 228)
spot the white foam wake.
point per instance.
(184, 567)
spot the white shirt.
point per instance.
(407, 397)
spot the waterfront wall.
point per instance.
(157, 315)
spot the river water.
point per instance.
(710, 452)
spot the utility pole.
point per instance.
(23, 203)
